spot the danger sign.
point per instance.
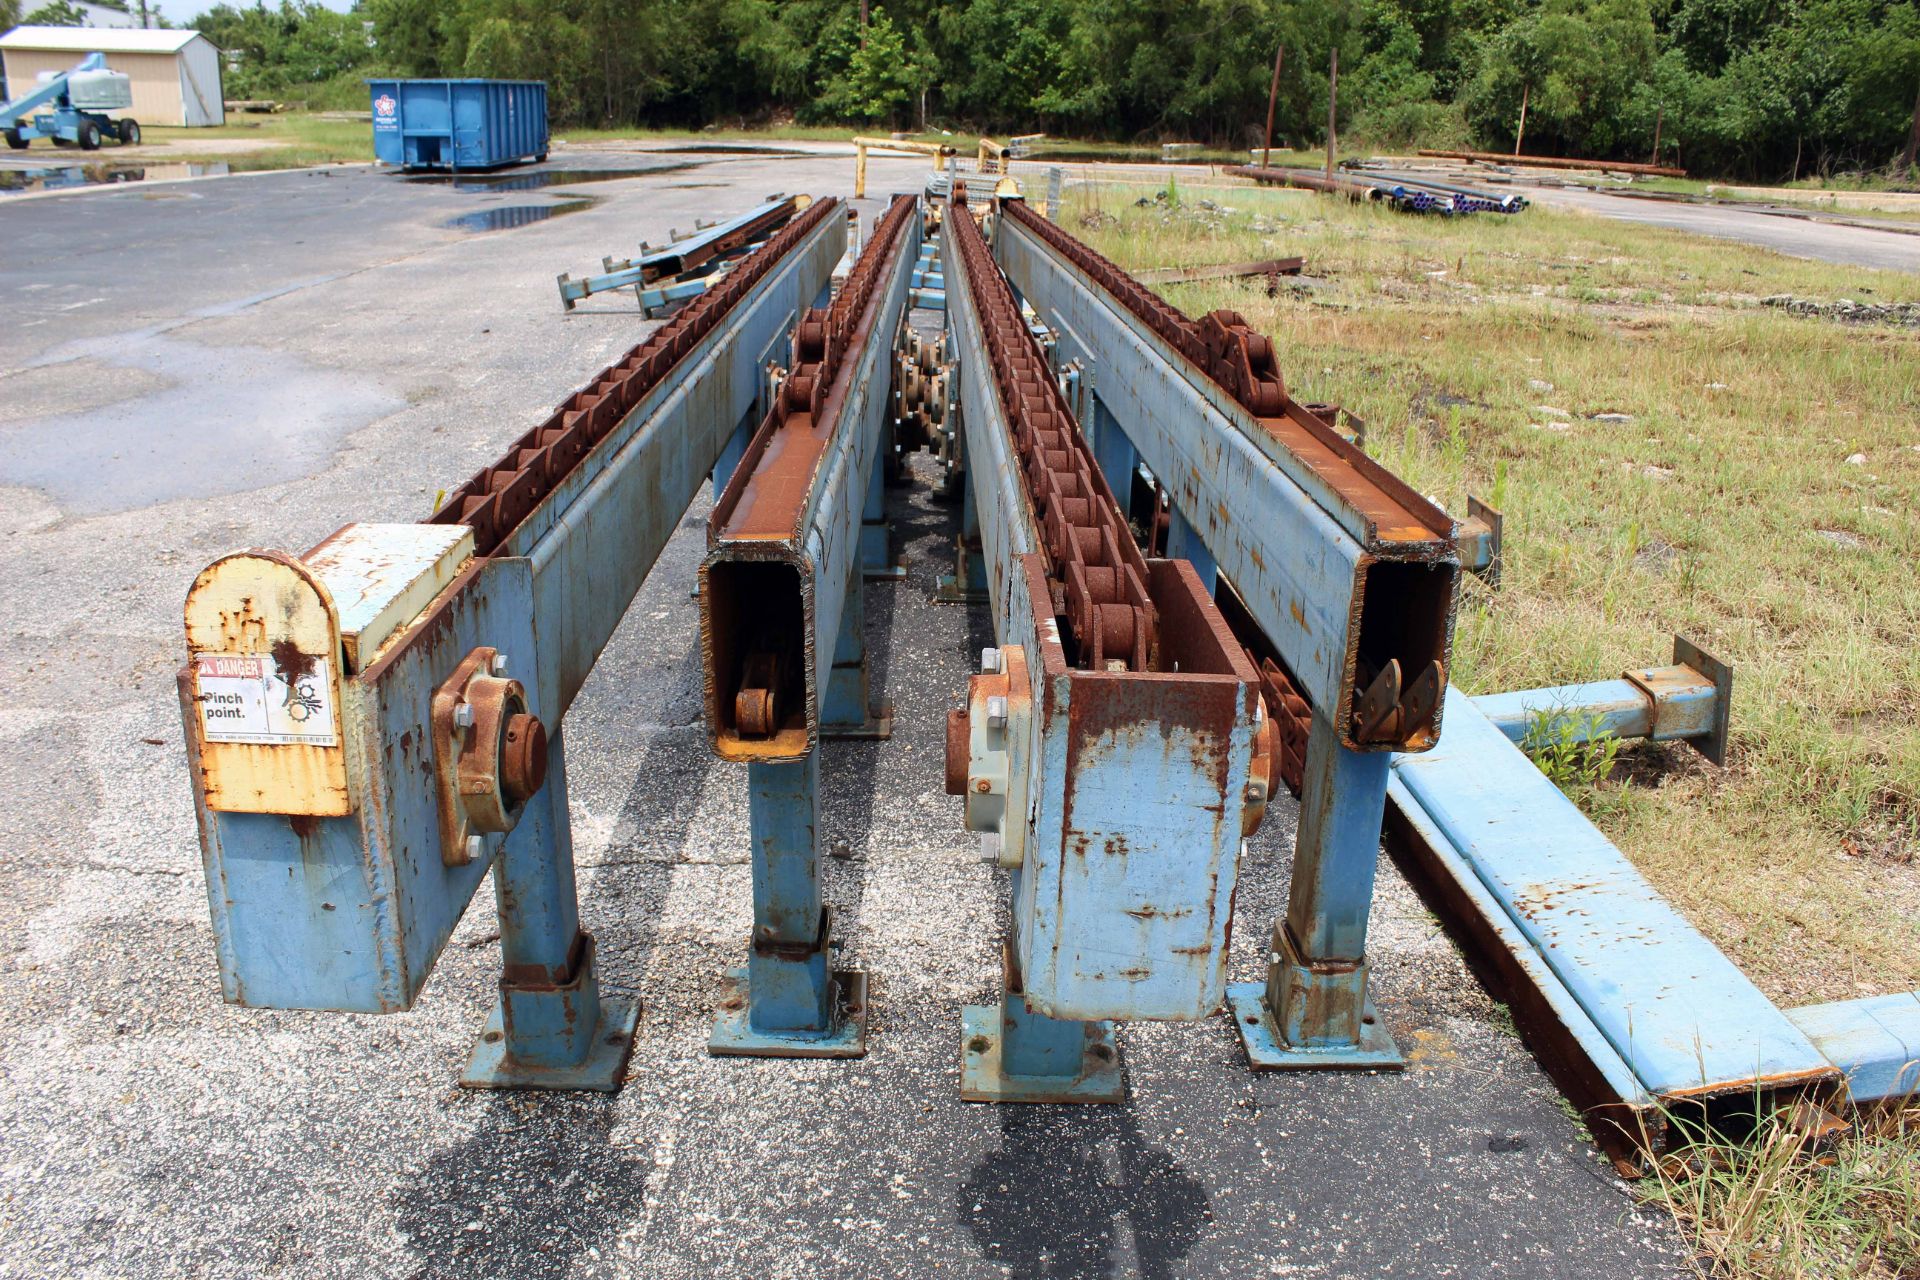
(248, 698)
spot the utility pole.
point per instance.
(1333, 98)
(863, 24)
(1659, 119)
(1273, 93)
(1525, 89)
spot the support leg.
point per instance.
(551, 1028)
(1313, 1010)
(968, 582)
(1114, 453)
(1009, 1053)
(845, 711)
(1184, 543)
(874, 562)
(786, 1003)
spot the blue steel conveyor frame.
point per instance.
(1112, 754)
(794, 534)
(1349, 576)
(376, 725)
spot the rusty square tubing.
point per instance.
(1297, 522)
(783, 541)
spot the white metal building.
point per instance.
(175, 74)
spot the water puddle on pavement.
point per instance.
(60, 177)
(508, 216)
(202, 420)
(534, 180)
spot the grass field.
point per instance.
(1760, 496)
(291, 140)
(1724, 507)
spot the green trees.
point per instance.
(1753, 87)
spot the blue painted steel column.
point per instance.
(551, 1029)
(1113, 452)
(786, 1002)
(846, 709)
(1010, 1053)
(874, 561)
(1185, 543)
(1313, 1010)
(968, 582)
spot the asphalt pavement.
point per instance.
(253, 361)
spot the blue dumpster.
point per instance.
(458, 124)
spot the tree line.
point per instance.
(1761, 88)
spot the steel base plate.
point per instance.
(735, 1037)
(981, 1079)
(1266, 1052)
(884, 572)
(877, 725)
(603, 1071)
(951, 592)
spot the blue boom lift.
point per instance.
(71, 108)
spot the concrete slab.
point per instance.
(148, 1130)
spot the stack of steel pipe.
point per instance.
(1407, 198)
(1465, 199)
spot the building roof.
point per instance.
(98, 39)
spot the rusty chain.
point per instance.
(1241, 361)
(1097, 574)
(499, 497)
(821, 338)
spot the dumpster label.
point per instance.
(249, 698)
(383, 112)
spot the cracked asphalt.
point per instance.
(190, 368)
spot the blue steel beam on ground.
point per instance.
(657, 263)
(1295, 521)
(1688, 700)
(1875, 1042)
(1688, 1024)
(382, 726)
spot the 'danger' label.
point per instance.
(253, 698)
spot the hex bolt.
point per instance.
(990, 661)
(476, 848)
(497, 665)
(463, 715)
(996, 712)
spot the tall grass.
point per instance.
(1722, 506)
(1771, 1208)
